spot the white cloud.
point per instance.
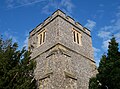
(117, 35)
(101, 5)
(97, 62)
(90, 24)
(10, 35)
(26, 35)
(118, 14)
(104, 34)
(105, 44)
(118, 7)
(48, 7)
(26, 42)
(96, 55)
(96, 50)
(65, 5)
(0, 23)
(105, 28)
(21, 3)
(107, 31)
(112, 21)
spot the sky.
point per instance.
(102, 17)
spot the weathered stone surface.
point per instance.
(61, 63)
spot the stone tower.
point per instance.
(63, 51)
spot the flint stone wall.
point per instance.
(61, 63)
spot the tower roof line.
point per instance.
(59, 13)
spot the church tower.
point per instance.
(63, 51)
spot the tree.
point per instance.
(109, 68)
(113, 53)
(102, 76)
(113, 65)
(16, 67)
(94, 83)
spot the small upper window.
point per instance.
(41, 37)
(77, 37)
(74, 36)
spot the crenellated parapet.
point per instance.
(63, 16)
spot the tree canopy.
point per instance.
(16, 67)
(108, 76)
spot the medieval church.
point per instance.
(63, 51)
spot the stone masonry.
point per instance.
(62, 63)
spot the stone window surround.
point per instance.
(41, 38)
(77, 37)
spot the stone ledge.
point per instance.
(58, 44)
(47, 75)
(69, 75)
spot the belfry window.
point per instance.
(41, 37)
(77, 37)
(74, 36)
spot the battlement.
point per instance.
(63, 16)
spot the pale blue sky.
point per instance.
(102, 17)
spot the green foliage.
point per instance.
(109, 69)
(94, 83)
(16, 68)
(113, 50)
